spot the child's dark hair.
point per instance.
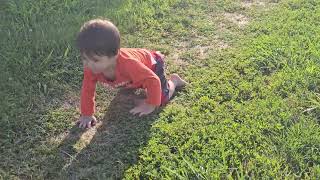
(100, 37)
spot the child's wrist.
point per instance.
(151, 105)
(87, 116)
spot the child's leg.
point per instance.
(174, 82)
(167, 86)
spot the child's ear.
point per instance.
(115, 51)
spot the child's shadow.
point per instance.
(113, 147)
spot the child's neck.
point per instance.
(110, 71)
(113, 63)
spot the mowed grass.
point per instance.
(251, 108)
(251, 111)
(41, 75)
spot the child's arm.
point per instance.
(87, 101)
(141, 74)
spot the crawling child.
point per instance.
(105, 62)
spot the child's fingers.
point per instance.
(93, 122)
(134, 111)
(88, 125)
(83, 126)
(144, 113)
(80, 124)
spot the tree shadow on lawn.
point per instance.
(114, 146)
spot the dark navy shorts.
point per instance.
(158, 69)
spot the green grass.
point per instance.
(251, 109)
(41, 77)
(246, 113)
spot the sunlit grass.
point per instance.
(251, 109)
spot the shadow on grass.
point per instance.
(114, 146)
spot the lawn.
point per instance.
(251, 108)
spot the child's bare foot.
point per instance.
(177, 80)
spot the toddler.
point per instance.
(105, 62)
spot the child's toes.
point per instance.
(178, 80)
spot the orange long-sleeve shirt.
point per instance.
(134, 68)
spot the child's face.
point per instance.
(97, 64)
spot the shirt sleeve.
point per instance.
(87, 101)
(141, 74)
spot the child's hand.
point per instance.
(143, 108)
(87, 121)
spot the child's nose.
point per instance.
(90, 65)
